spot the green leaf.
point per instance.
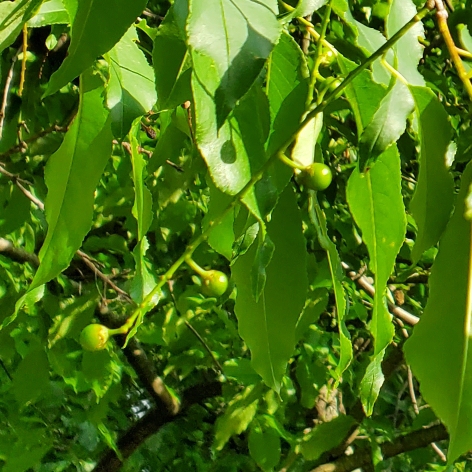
(337, 275)
(286, 89)
(171, 64)
(372, 382)
(142, 208)
(326, 436)
(229, 42)
(90, 39)
(130, 91)
(32, 376)
(72, 175)
(376, 203)
(303, 151)
(50, 13)
(387, 125)
(316, 305)
(303, 9)
(432, 202)
(408, 50)
(268, 325)
(98, 370)
(143, 281)
(221, 238)
(368, 39)
(440, 345)
(265, 251)
(13, 15)
(264, 445)
(363, 94)
(238, 415)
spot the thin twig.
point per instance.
(205, 345)
(363, 457)
(441, 15)
(6, 91)
(20, 147)
(369, 288)
(86, 259)
(23, 60)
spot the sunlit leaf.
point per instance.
(90, 39)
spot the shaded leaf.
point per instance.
(130, 91)
(72, 174)
(229, 41)
(142, 208)
(264, 445)
(326, 436)
(432, 201)
(268, 325)
(171, 64)
(237, 416)
(440, 345)
(32, 376)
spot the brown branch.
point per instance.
(369, 288)
(6, 90)
(18, 255)
(150, 423)
(408, 442)
(441, 16)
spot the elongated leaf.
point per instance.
(130, 92)
(32, 376)
(304, 8)
(387, 125)
(230, 41)
(363, 94)
(287, 90)
(72, 175)
(432, 202)
(13, 15)
(143, 281)
(440, 345)
(50, 13)
(325, 437)
(238, 415)
(337, 274)
(368, 39)
(142, 208)
(170, 63)
(376, 203)
(268, 325)
(408, 50)
(264, 445)
(221, 238)
(90, 39)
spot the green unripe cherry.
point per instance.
(214, 283)
(94, 337)
(317, 176)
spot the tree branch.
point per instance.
(408, 442)
(150, 423)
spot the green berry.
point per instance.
(317, 176)
(214, 283)
(94, 337)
